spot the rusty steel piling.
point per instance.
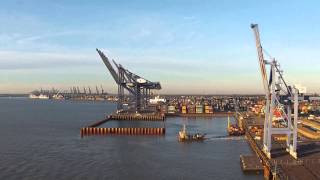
(89, 131)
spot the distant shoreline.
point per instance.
(14, 95)
(25, 95)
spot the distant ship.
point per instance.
(33, 96)
(43, 96)
(58, 96)
(40, 96)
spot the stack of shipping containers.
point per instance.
(199, 109)
(184, 109)
(171, 109)
(191, 109)
(208, 109)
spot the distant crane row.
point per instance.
(76, 90)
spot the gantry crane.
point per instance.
(279, 97)
(137, 86)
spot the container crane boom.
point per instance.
(261, 59)
(109, 66)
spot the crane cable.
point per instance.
(278, 70)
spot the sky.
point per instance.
(191, 47)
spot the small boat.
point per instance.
(184, 136)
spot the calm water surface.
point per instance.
(39, 139)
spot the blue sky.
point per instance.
(189, 46)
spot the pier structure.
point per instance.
(95, 129)
(281, 102)
(138, 117)
(139, 87)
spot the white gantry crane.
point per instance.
(281, 100)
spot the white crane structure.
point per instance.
(280, 98)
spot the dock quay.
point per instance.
(137, 117)
(251, 164)
(215, 114)
(282, 165)
(94, 128)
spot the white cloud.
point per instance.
(46, 36)
(33, 60)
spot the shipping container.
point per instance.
(208, 109)
(171, 109)
(199, 109)
(191, 109)
(184, 109)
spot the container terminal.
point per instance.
(291, 150)
(282, 126)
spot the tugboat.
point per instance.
(184, 136)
